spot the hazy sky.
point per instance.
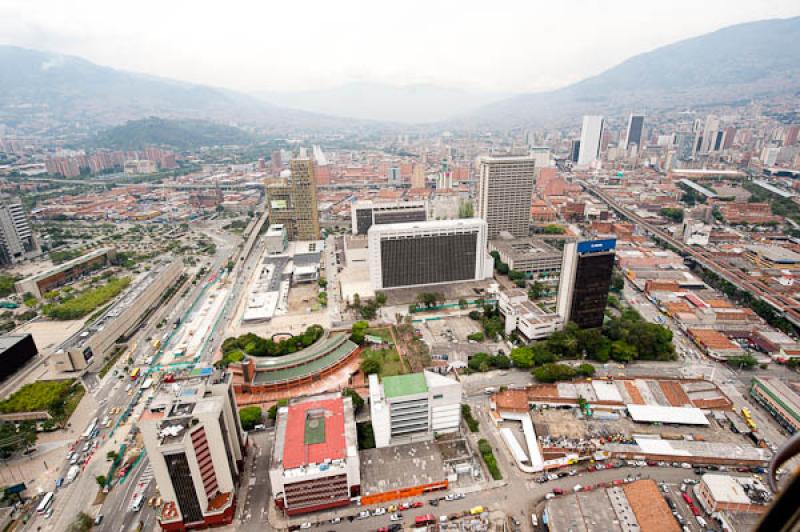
(255, 45)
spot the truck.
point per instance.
(72, 474)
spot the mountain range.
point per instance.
(752, 60)
(42, 91)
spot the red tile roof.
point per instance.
(296, 452)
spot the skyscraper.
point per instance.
(574, 150)
(505, 191)
(418, 176)
(16, 236)
(294, 204)
(591, 133)
(709, 134)
(394, 175)
(585, 279)
(634, 136)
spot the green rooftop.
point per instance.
(401, 385)
(315, 430)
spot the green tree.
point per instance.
(380, 299)
(322, 282)
(365, 435)
(370, 366)
(101, 480)
(743, 361)
(476, 336)
(587, 370)
(522, 357)
(622, 351)
(553, 372)
(554, 229)
(358, 331)
(358, 401)
(250, 416)
(462, 303)
(83, 523)
(272, 413)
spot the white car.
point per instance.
(379, 511)
(549, 496)
(395, 517)
(305, 525)
(363, 515)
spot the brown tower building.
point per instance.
(294, 204)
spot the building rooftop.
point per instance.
(315, 432)
(401, 385)
(652, 513)
(776, 254)
(780, 392)
(667, 414)
(64, 266)
(725, 488)
(8, 341)
(400, 466)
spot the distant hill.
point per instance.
(752, 60)
(42, 89)
(418, 103)
(177, 134)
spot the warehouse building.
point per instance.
(413, 407)
(196, 447)
(16, 350)
(99, 339)
(367, 213)
(736, 494)
(66, 272)
(426, 253)
(779, 400)
(315, 463)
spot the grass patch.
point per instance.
(383, 332)
(389, 360)
(471, 422)
(487, 454)
(87, 301)
(60, 398)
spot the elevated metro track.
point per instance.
(787, 308)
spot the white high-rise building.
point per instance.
(709, 134)
(16, 236)
(591, 133)
(505, 191)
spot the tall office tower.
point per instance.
(294, 203)
(195, 444)
(634, 135)
(729, 136)
(790, 135)
(505, 191)
(424, 253)
(364, 214)
(394, 175)
(574, 150)
(16, 236)
(275, 161)
(585, 279)
(591, 132)
(418, 176)
(709, 134)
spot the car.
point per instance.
(305, 526)
(392, 509)
(577, 487)
(417, 504)
(670, 503)
(558, 491)
(687, 498)
(549, 496)
(395, 527)
(379, 511)
(572, 472)
(695, 511)
(434, 502)
(383, 529)
(591, 469)
(98, 519)
(363, 514)
(405, 506)
(395, 517)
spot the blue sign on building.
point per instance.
(597, 246)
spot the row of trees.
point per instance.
(552, 372)
(235, 348)
(368, 309)
(484, 362)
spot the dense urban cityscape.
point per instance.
(571, 315)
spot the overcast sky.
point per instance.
(265, 45)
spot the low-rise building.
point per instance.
(367, 213)
(779, 400)
(525, 317)
(413, 407)
(737, 494)
(529, 255)
(65, 272)
(276, 239)
(315, 463)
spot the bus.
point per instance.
(90, 428)
(135, 373)
(46, 503)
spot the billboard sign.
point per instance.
(597, 246)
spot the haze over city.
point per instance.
(361, 267)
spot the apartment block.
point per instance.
(293, 204)
(505, 191)
(16, 236)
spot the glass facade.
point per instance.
(181, 476)
(428, 259)
(590, 296)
